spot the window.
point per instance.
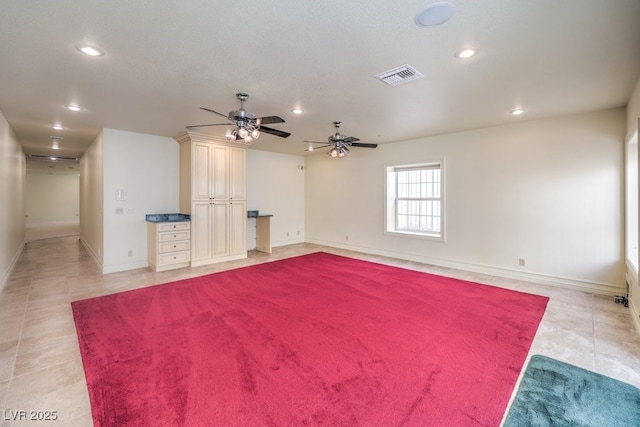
(415, 200)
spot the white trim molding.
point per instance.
(599, 288)
(12, 265)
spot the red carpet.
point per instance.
(313, 340)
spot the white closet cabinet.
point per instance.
(213, 191)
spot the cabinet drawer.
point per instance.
(174, 226)
(176, 246)
(175, 235)
(174, 258)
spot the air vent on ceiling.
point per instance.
(41, 157)
(399, 75)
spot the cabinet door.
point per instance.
(201, 167)
(220, 172)
(201, 231)
(237, 227)
(237, 174)
(220, 213)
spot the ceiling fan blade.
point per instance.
(318, 147)
(271, 120)
(214, 112)
(350, 139)
(362, 144)
(213, 124)
(275, 132)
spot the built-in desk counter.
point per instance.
(263, 231)
(172, 217)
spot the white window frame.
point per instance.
(391, 199)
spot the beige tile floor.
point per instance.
(41, 369)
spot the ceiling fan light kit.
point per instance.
(338, 151)
(339, 143)
(247, 125)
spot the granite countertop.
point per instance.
(172, 217)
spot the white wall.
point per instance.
(12, 205)
(91, 199)
(549, 191)
(633, 124)
(52, 197)
(633, 110)
(275, 185)
(146, 167)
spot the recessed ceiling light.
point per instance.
(517, 111)
(434, 14)
(89, 50)
(465, 53)
(73, 107)
(297, 111)
(57, 126)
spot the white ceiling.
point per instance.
(165, 59)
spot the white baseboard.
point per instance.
(217, 260)
(112, 268)
(277, 243)
(12, 265)
(124, 267)
(545, 279)
(92, 254)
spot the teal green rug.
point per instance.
(554, 393)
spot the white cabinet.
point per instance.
(219, 231)
(202, 227)
(238, 174)
(168, 245)
(213, 190)
(237, 227)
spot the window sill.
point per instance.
(418, 236)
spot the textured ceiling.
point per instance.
(165, 59)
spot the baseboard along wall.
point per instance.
(607, 289)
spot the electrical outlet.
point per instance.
(346, 237)
(130, 253)
(521, 262)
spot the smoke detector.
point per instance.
(434, 14)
